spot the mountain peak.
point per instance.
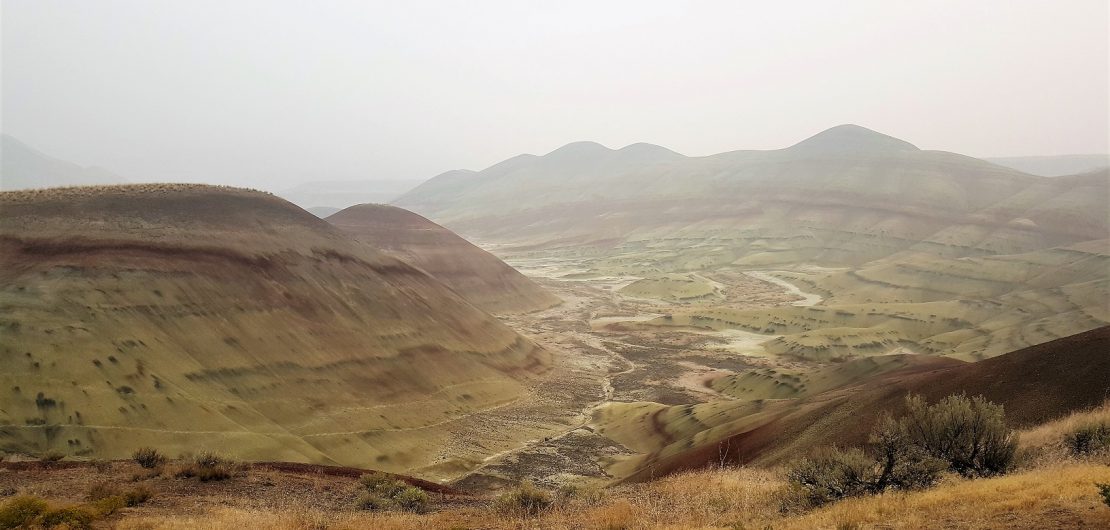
(642, 148)
(850, 138)
(579, 149)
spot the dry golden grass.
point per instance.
(1044, 444)
(1053, 496)
(1061, 496)
(1053, 432)
(160, 188)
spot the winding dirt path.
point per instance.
(808, 299)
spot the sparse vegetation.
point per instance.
(69, 517)
(148, 457)
(1104, 492)
(526, 500)
(384, 492)
(969, 433)
(33, 512)
(207, 466)
(1088, 439)
(968, 436)
(21, 512)
(112, 498)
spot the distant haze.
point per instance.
(275, 94)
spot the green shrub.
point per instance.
(383, 492)
(137, 495)
(70, 517)
(372, 502)
(382, 484)
(589, 495)
(902, 464)
(526, 500)
(1088, 439)
(412, 499)
(20, 512)
(970, 434)
(106, 499)
(207, 466)
(148, 458)
(1104, 491)
(832, 474)
(106, 506)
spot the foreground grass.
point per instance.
(1055, 496)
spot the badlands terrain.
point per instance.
(612, 323)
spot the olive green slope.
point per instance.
(190, 317)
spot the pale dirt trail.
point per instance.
(808, 299)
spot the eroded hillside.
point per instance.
(189, 317)
(477, 275)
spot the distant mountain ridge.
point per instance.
(22, 167)
(1054, 165)
(842, 181)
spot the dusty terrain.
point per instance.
(1050, 489)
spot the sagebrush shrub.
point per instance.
(833, 474)
(526, 500)
(1088, 439)
(372, 502)
(970, 434)
(69, 517)
(383, 492)
(21, 512)
(411, 499)
(207, 466)
(148, 457)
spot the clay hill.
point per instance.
(477, 275)
(846, 196)
(1035, 385)
(190, 317)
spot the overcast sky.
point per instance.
(268, 94)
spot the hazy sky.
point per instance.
(268, 94)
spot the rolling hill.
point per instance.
(937, 251)
(1054, 166)
(845, 196)
(190, 317)
(477, 275)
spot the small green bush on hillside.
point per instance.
(207, 466)
(968, 436)
(148, 457)
(21, 512)
(526, 500)
(1089, 439)
(1104, 491)
(383, 492)
(69, 517)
